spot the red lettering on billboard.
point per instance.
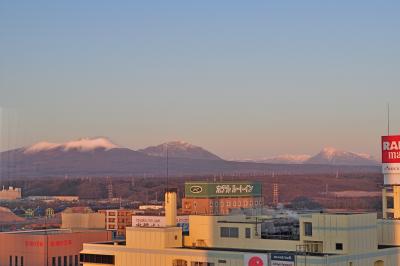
(391, 149)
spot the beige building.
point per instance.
(12, 193)
(83, 220)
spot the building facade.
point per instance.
(58, 247)
(117, 220)
(219, 198)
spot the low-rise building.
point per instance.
(55, 247)
(117, 220)
(82, 218)
(10, 193)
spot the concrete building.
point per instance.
(117, 220)
(220, 198)
(59, 247)
(12, 193)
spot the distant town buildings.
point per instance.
(221, 197)
(54, 198)
(10, 193)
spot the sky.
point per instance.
(241, 79)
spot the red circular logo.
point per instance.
(255, 261)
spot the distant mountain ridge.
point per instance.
(101, 157)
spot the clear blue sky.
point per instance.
(245, 79)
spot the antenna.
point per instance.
(167, 162)
(388, 119)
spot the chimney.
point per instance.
(170, 207)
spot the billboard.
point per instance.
(223, 189)
(159, 221)
(391, 154)
(255, 259)
(282, 259)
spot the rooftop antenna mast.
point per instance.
(166, 166)
(388, 119)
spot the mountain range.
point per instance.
(327, 156)
(102, 157)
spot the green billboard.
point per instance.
(222, 189)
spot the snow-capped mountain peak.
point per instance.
(42, 146)
(180, 144)
(331, 155)
(84, 144)
(180, 149)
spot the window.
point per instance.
(234, 204)
(99, 259)
(53, 261)
(228, 204)
(339, 246)
(65, 261)
(229, 232)
(216, 204)
(197, 263)
(211, 204)
(248, 232)
(10, 260)
(239, 204)
(256, 202)
(16, 260)
(308, 229)
(70, 261)
(76, 260)
(22, 260)
(59, 261)
(221, 261)
(389, 202)
(179, 262)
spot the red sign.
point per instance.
(57, 243)
(391, 149)
(31, 243)
(255, 261)
(60, 243)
